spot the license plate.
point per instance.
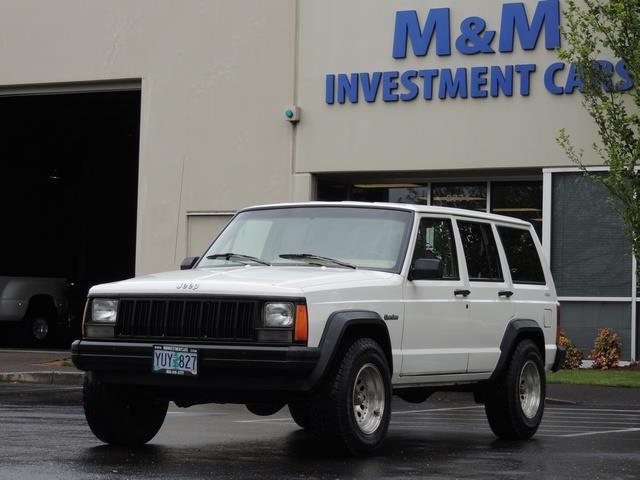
(175, 360)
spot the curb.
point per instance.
(51, 377)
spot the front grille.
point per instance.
(202, 319)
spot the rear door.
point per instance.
(490, 304)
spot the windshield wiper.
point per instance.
(237, 256)
(317, 258)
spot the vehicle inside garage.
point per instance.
(68, 187)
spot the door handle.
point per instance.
(464, 293)
(505, 293)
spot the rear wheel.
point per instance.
(354, 407)
(119, 415)
(515, 404)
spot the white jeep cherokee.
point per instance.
(330, 308)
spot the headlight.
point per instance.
(278, 315)
(103, 310)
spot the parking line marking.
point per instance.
(584, 434)
(195, 414)
(264, 420)
(637, 411)
(437, 410)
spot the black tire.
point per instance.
(511, 406)
(360, 369)
(37, 328)
(301, 413)
(119, 415)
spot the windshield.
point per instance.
(369, 238)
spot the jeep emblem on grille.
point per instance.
(187, 286)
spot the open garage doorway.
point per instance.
(68, 195)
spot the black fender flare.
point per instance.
(337, 325)
(517, 329)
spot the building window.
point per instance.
(520, 200)
(472, 196)
(590, 254)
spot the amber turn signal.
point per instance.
(301, 333)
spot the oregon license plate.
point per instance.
(175, 360)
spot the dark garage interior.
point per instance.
(68, 186)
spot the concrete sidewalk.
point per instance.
(52, 367)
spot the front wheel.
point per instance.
(354, 407)
(515, 405)
(119, 415)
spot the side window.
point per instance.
(522, 256)
(435, 240)
(480, 251)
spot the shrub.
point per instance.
(574, 354)
(606, 349)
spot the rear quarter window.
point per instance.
(522, 256)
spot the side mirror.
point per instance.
(188, 263)
(426, 269)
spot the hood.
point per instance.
(245, 280)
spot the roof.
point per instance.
(459, 212)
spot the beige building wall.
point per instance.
(339, 36)
(216, 76)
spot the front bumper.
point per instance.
(224, 370)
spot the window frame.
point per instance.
(403, 249)
(454, 237)
(536, 246)
(501, 256)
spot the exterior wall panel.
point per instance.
(215, 79)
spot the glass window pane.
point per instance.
(480, 251)
(520, 200)
(383, 192)
(414, 195)
(358, 194)
(328, 191)
(435, 240)
(472, 196)
(522, 255)
(372, 238)
(590, 255)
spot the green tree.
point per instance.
(598, 29)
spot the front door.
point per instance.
(436, 315)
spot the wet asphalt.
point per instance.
(43, 434)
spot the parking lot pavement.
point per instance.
(442, 438)
(558, 422)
